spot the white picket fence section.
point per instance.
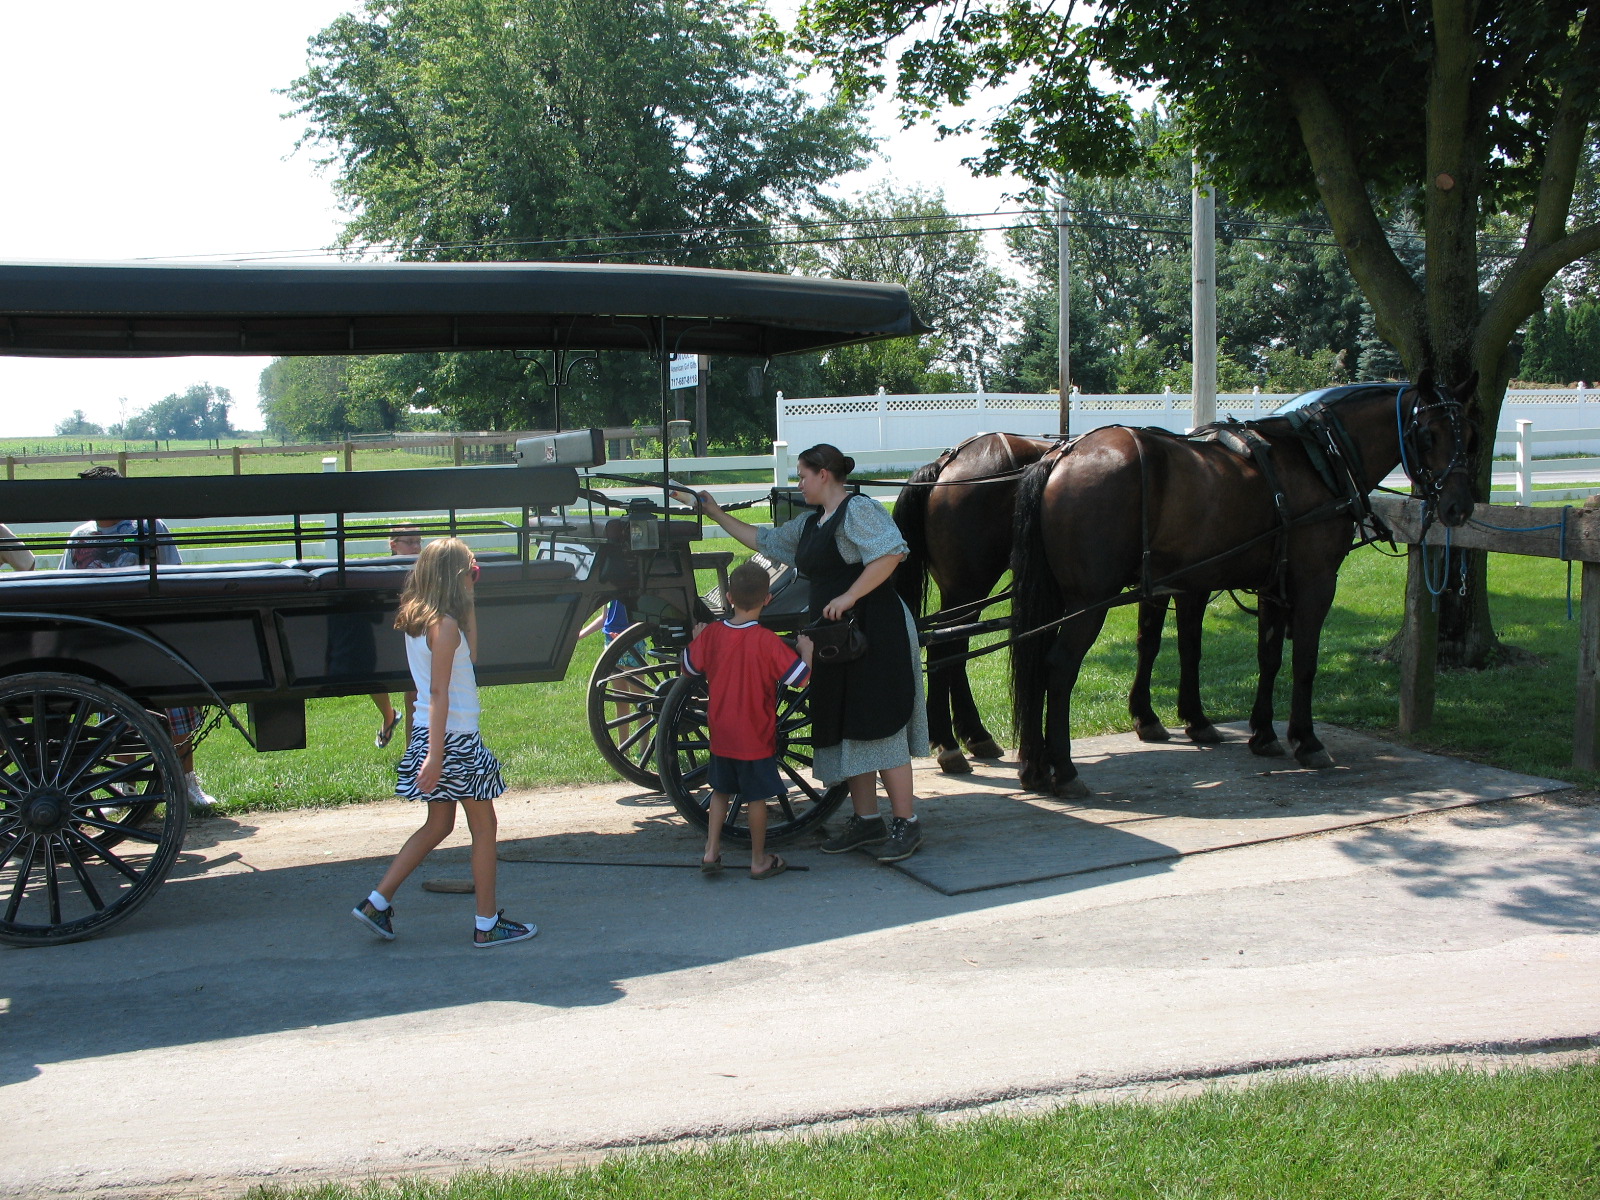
(882, 422)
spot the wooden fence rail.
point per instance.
(456, 442)
(1564, 533)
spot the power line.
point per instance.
(735, 238)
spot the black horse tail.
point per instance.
(1036, 600)
(911, 515)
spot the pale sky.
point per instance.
(152, 131)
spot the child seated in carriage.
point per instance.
(743, 664)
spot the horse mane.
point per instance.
(911, 516)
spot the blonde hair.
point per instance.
(437, 587)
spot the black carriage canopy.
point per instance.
(130, 310)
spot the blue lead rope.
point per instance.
(1561, 525)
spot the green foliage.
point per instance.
(1562, 344)
(474, 130)
(909, 237)
(78, 426)
(200, 412)
(1455, 113)
(1285, 298)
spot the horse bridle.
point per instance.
(1427, 484)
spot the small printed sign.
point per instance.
(683, 371)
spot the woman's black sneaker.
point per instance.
(905, 835)
(858, 831)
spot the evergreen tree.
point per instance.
(1535, 364)
(1583, 325)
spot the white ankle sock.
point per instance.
(485, 923)
(378, 902)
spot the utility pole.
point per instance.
(1203, 273)
(1064, 287)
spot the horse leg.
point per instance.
(1066, 660)
(941, 738)
(1152, 617)
(969, 726)
(1191, 612)
(1310, 611)
(1269, 658)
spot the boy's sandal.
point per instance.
(711, 866)
(386, 733)
(778, 867)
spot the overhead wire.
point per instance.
(1167, 225)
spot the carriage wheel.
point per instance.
(684, 757)
(625, 693)
(83, 769)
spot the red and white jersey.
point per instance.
(744, 664)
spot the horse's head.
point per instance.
(1437, 445)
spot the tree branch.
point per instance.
(1564, 145)
(1522, 289)
(1395, 297)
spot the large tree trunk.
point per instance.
(1466, 630)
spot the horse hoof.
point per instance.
(1203, 735)
(1070, 789)
(1315, 760)
(953, 762)
(988, 748)
(1272, 749)
(1154, 732)
(1033, 781)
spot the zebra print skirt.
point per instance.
(471, 771)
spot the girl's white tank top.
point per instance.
(463, 716)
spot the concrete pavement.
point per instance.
(242, 1027)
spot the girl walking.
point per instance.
(445, 760)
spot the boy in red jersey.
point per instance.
(743, 664)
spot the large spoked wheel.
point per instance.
(92, 807)
(684, 756)
(625, 692)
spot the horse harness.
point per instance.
(1332, 454)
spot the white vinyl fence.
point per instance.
(881, 422)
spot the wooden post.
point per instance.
(238, 462)
(1419, 646)
(1524, 463)
(455, 450)
(1586, 725)
(349, 456)
(11, 467)
(122, 463)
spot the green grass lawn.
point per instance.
(1516, 1135)
(1517, 716)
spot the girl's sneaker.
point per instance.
(504, 932)
(381, 923)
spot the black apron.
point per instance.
(872, 697)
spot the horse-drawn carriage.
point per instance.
(92, 804)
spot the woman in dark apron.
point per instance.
(867, 716)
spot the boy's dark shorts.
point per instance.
(748, 779)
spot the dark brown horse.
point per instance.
(959, 536)
(1140, 509)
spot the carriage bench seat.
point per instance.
(390, 560)
(39, 588)
(393, 577)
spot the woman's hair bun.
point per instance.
(824, 457)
